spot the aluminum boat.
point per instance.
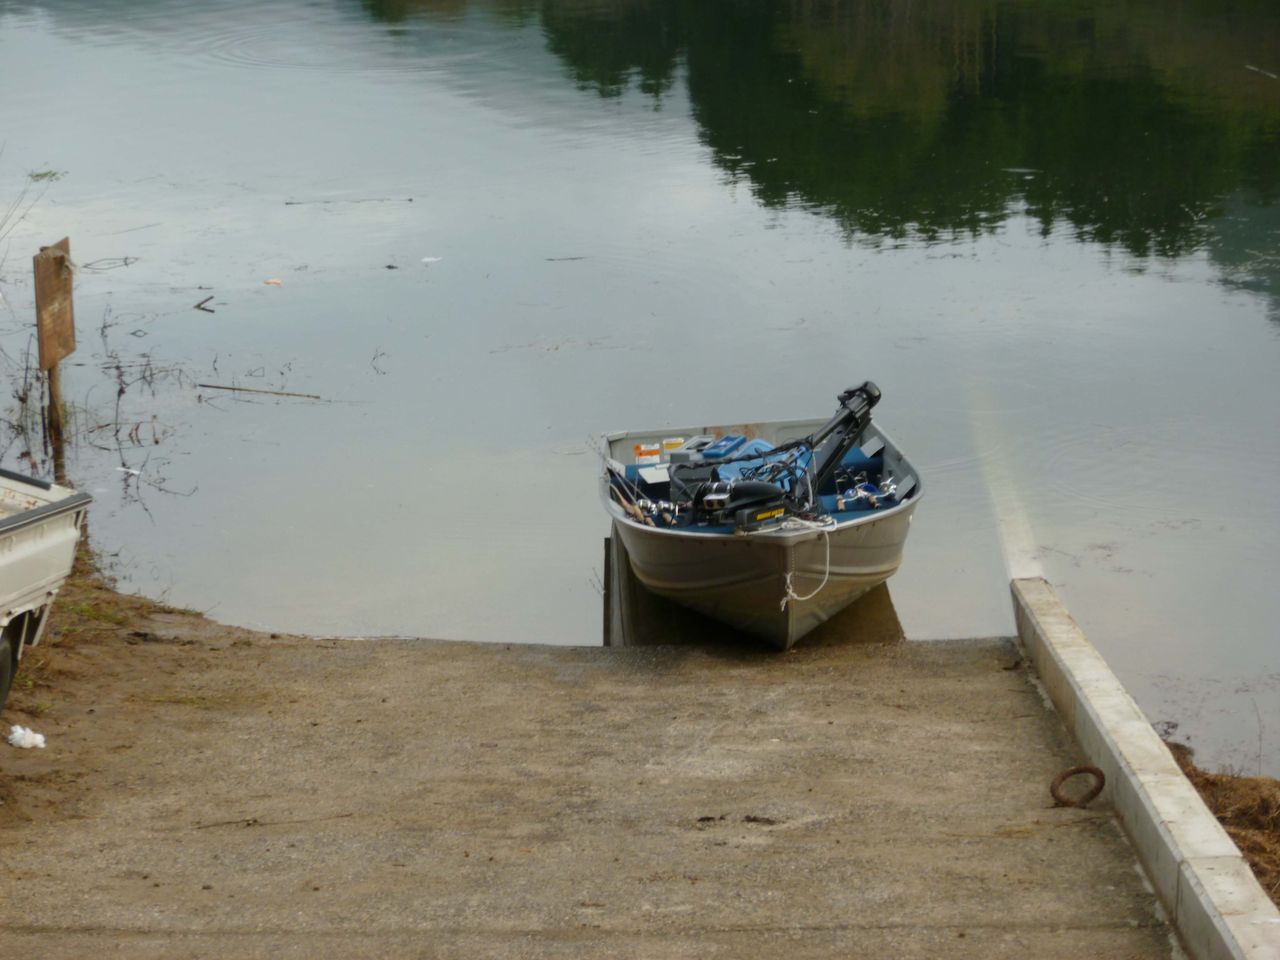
(772, 528)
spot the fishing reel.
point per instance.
(741, 504)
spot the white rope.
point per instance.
(826, 526)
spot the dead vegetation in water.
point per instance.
(1248, 808)
(111, 425)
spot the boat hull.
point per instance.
(774, 585)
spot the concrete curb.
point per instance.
(1216, 904)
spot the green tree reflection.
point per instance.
(939, 118)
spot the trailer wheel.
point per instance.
(8, 665)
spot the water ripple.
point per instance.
(1145, 469)
(299, 36)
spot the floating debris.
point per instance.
(298, 203)
(271, 393)
(108, 263)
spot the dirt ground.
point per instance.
(139, 699)
(211, 792)
(104, 650)
(100, 641)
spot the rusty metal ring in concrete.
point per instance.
(1099, 781)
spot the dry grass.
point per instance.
(1249, 809)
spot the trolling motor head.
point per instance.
(859, 400)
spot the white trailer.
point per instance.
(39, 525)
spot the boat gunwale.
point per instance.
(777, 535)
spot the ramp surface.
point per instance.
(302, 798)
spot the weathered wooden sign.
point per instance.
(55, 315)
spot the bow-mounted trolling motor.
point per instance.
(785, 481)
(842, 432)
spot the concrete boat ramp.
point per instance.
(853, 798)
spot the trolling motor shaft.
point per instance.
(839, 435)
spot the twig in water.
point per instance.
(145, 226)
(201, 305)
(298, 203)
(273, 393)
(108, 263)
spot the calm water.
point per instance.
(1049, 232)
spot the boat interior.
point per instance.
(18, 494)
(675, 477)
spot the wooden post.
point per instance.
(55, 334)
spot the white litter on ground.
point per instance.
(25, 738)
(432, 259)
